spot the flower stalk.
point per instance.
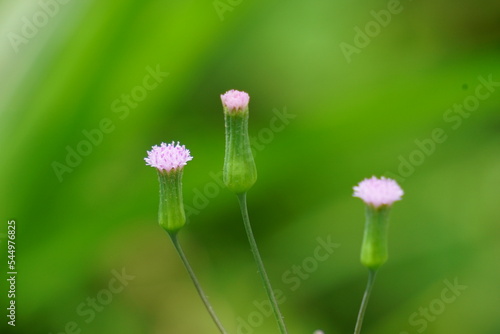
(197, 285)
(372, 273)
(260, 265)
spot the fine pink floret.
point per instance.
(168, 156)
(378, 192)
(235, 100)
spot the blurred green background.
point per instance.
(321, 121)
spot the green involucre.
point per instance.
(240, 172)
(171, 215)
(374, 248)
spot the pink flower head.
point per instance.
(378, 192)
(167, 157)
(235, 100)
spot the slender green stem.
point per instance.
(260, 265)
(369, 286)
(204, 298)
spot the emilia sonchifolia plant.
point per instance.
(239, 175)
(378, 195)
(169, 160)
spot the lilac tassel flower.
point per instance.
(378, 195)
(235, 100)
(169, 160)
(378, 192)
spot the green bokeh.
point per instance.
(347, 120)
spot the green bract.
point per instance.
(171, 215)
(240, 172)
(374, 248)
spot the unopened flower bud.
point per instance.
(239, 173)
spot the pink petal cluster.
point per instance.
(167, 157)
(378, 192)
(235, 100)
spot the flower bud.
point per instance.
(239, 172)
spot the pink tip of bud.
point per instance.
(167, 157)
(235, 100)
(378, 192)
